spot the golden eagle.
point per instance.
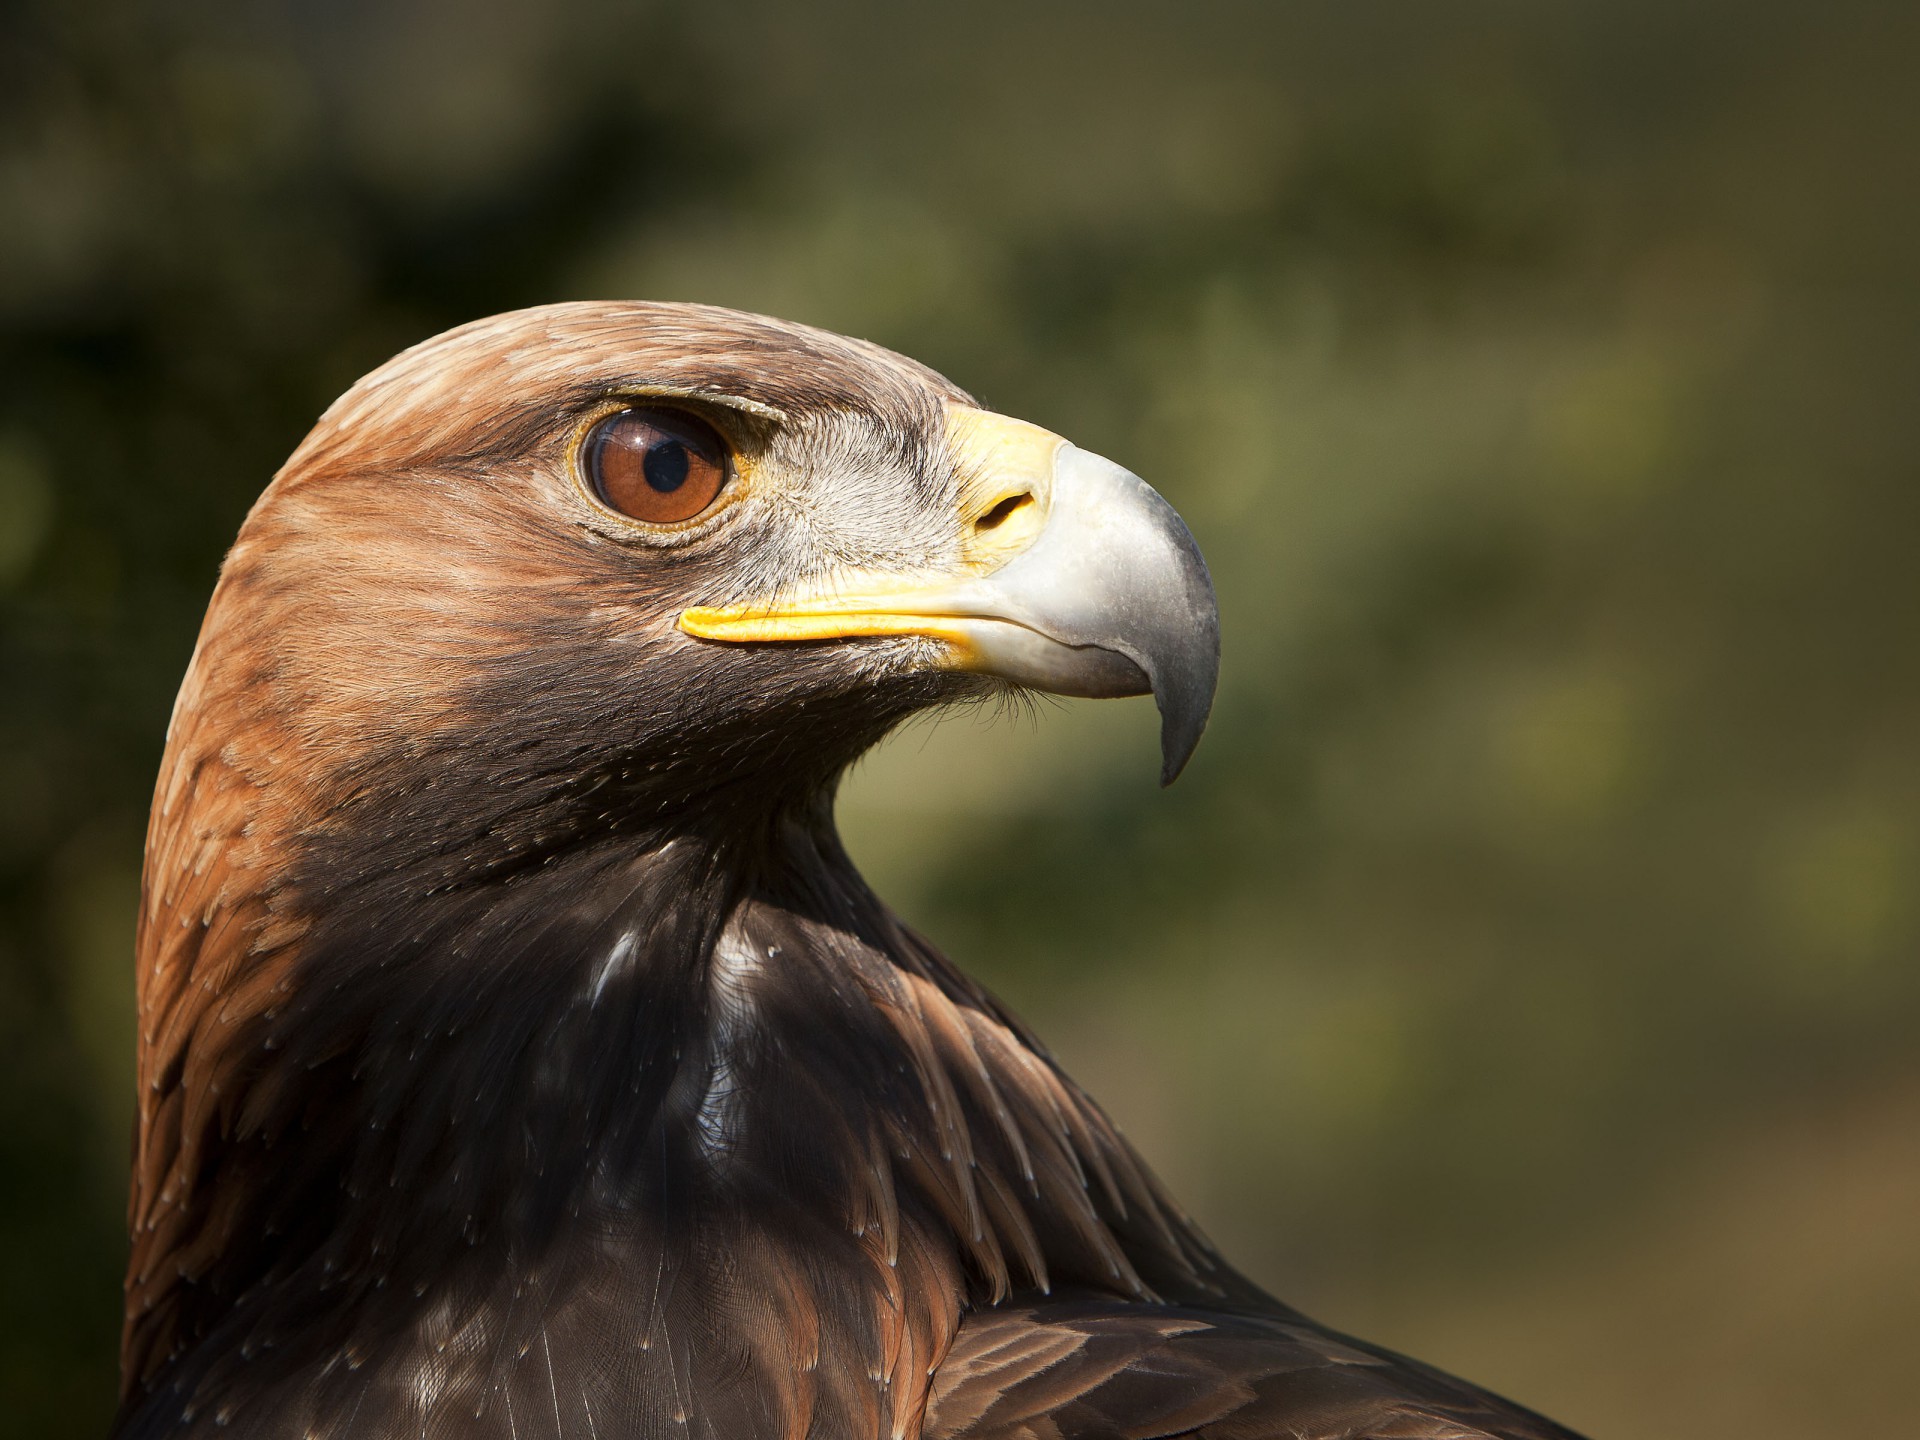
(520, 1053)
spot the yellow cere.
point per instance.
(1005, 470)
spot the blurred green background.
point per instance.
(1524, 974)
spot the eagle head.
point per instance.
(592, 566)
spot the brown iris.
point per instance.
(661, 466)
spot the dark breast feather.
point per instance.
(785, 1172)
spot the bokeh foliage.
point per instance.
(1525, 971)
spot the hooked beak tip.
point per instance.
(1183, 692)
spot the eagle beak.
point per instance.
(1075, 578)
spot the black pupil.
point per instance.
(665, 465)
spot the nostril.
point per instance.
(1004, 511)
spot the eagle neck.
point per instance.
(583, 1102)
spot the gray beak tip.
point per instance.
(1185, 698)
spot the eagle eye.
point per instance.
(657, 465)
